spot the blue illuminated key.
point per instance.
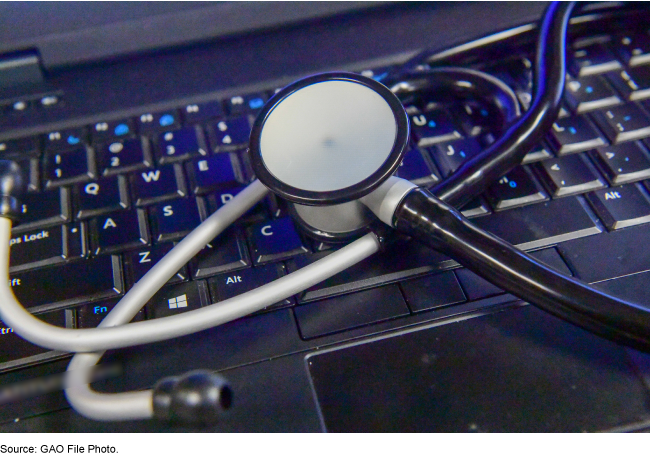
(179, 145)
(231, 134)
(90, 315)
(101, 131)
(450, 156)
(275, 240)
(220, 171)
(149, 122)
(64, 139)
(119, 231)
(573, 134)
(172, 220)
(433, 127)
(124, 155)
(241, 104)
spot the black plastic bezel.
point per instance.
(341, 195)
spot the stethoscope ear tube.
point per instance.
(441, 227)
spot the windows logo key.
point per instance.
(178, 302)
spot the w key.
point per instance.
(164, 183)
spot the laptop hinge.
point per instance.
(20, 69)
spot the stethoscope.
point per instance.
(330, 144)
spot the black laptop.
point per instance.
(130, 122)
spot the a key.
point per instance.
(179, 298)
(220, 171)
(104, 130)
(514, 189)
(433, 126)
(417, 168)
(123, 156)
(153, 186)
(242, 104)
(432, 291)
(139, 262)
(589, 93)
(174, 219)
(39, 248)
(65, 139)
(180, 145)
(44, 209)
(591, 59)
(622, 206)
(540, 152)
(13, 347)
(225, 253)
(90, 315)
(573, 134)
(151, 122)
(624, 163)
(633, 49)
(67, 167)
(450, 156)
(199, 112)
(569, 175)
(101, 196)
(119, 231)
(226, 286)
(68, 284)
(633, 83)
(275, 240)
(624, 122)
(230, 134)
(351, 311)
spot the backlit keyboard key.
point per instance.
(589, 93)
(633, 49)
(68, 284)
(230, 134)
(242, 104)
(38, 248)
(220, 171)
(591, 59)
(90, 315)
(137, 263)
(123, 156)
(624, 122)
(179, 145)
(153, 186)
(624, 163)
(275, 240)
(225, 253)
(101, 196)
(573, 134)
(433, 127)
(175, 299)
(541, 151)
(13, 347)
(65, 139)
(151, 122)
(450, 156)
(633, 83)
(416, 167)
(28, 146)
(622, 206)
(119, 231)
(104, 130)
(198, 112)
(174, 219)
(67, 167)
(569, 175)
(514, 189)
(44, 209)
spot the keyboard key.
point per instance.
(589, 93)
(137, 263)
(173, 220)
(13, 347)
(633, 49)
(28, 146)
(38, 248)
(119, 231)
(624, 163)
(124, 156)
(275, 240)
(569, 175)
(220, 171)
(30, 171)
(351, 311)
(180, 145)
(242, 104)
(68, 284)
(417, 168)
(230, 134)
(433, 127)
(175, 299)
(151, 122)
(103, 131)
(450, 156)
(164, 183)
(44, 209)
(432, 291)
(227, 286)
(259, 212)
(514, 189)
(67, 167)
(633, 83)
(225, 253)
(90, 315)
(540, 225)
(477, 118)
(199, 112)
(475, 207)
(538, 153)
(622, 206)
(623, 123)
(573, 134)
(102, 196)
(65, 139)
(591, 59)
(609, 254)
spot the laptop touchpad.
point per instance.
(519, 370)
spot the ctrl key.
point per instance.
(14, 348)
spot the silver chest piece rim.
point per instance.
(328, 139)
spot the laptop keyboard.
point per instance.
(106, 201)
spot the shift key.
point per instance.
(68, 284)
